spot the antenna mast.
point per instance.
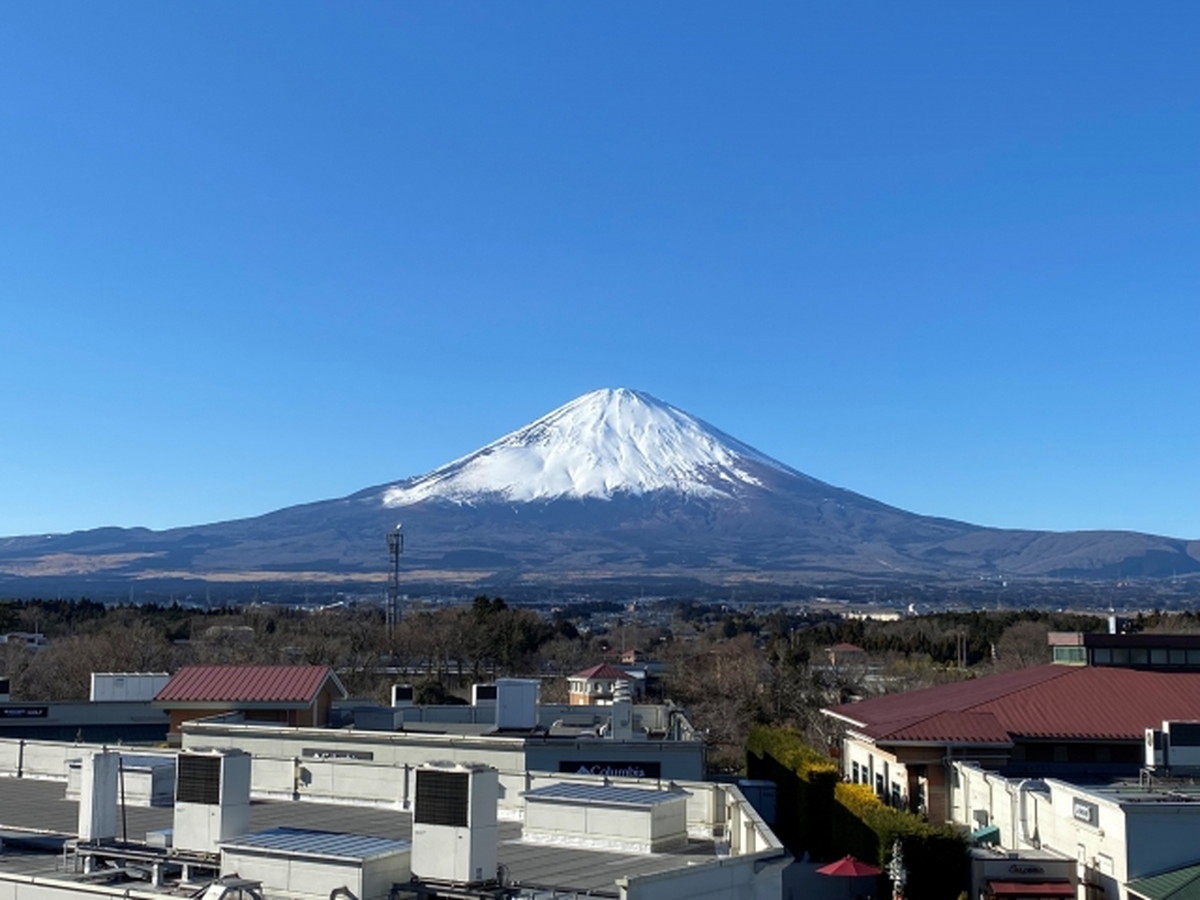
(395, 542)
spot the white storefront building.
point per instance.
(1113, 833)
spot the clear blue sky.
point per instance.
(256, 254)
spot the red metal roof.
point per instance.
(956, 728)
(1050, 701)
(246, 684)
(604, 670)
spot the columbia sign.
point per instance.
(611, 769)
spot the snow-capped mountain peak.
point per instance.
(601, 444)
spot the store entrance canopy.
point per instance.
(1031, 890)
(988, 834)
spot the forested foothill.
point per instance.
(730, 668)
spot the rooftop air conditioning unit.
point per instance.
(1181, 748)
(1156, 749)
(454, 823)
(212, 799)
(483, 695)
(403, 695)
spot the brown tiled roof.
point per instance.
(1050, 701)
(246, 684)
(604, 670)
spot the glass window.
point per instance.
(1158, 656)
(1177, 656)
(1068, 654)
(1120, 656)
(1139, 656)
(856, 774)
(1193, 657)
(1102, 656)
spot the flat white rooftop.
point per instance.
(39, 808)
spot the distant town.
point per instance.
(907, 747)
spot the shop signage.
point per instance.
(611, 769)
(1025, 869)
(322, 753)
(24, 712)
(1085, 812)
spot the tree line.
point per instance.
(729, 668)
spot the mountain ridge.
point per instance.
(614, 485)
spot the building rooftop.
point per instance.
(319, 844)
(247, 684)
(35, 808)
(634, 798)
(1179, 884)
(603, 670)
(1049, 701)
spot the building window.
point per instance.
(1102, 656)
(1069, 655)
(856, 773)
(897, 797)
(879, 784)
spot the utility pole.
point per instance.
(395, 542)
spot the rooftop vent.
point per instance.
(621, 722)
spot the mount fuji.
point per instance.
(615, 488)
(602, 445)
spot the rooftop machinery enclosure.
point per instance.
(127, 687)
(98, 788)
(212, 799)
(144, 779)
(603, 817)
(517, 703)
(315, 865)
(454, 833)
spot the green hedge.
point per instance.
(804, 781)
(935, 856)
(819, 814)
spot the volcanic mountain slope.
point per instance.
(615, 485)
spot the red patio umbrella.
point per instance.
(849, 867)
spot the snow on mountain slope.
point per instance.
(598, 445)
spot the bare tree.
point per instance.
(1023, 644)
